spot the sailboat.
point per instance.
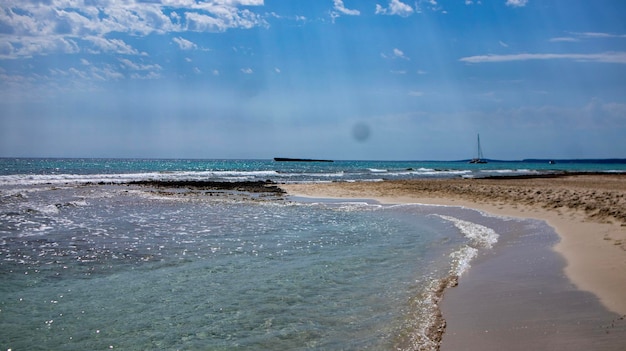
(479, 158)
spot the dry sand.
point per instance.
(588, 212)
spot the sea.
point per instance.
(90, 260)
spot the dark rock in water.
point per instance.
(267, 186)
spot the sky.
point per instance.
(331, 79)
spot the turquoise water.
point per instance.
(111, 266)
(93, 267)
(35, 171)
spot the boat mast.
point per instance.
(479, 156)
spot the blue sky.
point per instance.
(351, 79)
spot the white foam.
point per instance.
(358, 206)
(47, 209)
(430, 172)
(480, 235)
(508, 171)
(322, 175)
(57, 179)
(461, 260)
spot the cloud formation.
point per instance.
(138, 66)
(103, 45)
(516, 3)
(185, 44)
(596, 35)
(339, 7)
(606, 57)
(396, 7)
(577, 36)
(34, 27)
(396, 54)
(564, 39)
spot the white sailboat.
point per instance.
(479, 157)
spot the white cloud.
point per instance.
(606, 57)
(118, 46)
(576, 37)
(396, 7)
(339, 7)
(297, 18)
(416, 93)
(564, 39)
(6, 49)
(13, 48)
(139, 67)
(396, 54)
(597, 35)
(432, 5)
(185, 44)
(106, 73)
(240, 2)
(149, 75)
(44, 27)
(200, 22)
(58, 81)
(399, 54)
(247, 70)
(516, 3)
(503, 44)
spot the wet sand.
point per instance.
(523, 295)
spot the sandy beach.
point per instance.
(588, 212)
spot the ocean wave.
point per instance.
(461, 260)
(58, 179)
(480, 235)
(512, 171)
(311, 175)
(41, 179)
(439, 172)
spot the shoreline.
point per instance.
(587, 212)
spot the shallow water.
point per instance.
(95, 267)
(524, 300)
